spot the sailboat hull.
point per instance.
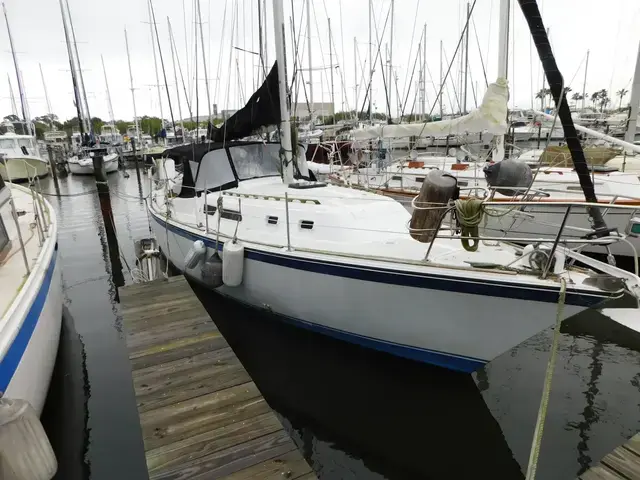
(84, 166)
(450, 323)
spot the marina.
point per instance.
(248, 242)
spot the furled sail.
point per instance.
(262, 109)
(490, 117)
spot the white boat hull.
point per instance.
(31, 328)
(20, 169)
(84, 166)
(393, 311)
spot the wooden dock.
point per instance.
(201, 414)
(621, 464)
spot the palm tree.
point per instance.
(603, 98)
(621, 93)
(576, 97)
(595, 96)
(542, 95)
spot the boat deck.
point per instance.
(201, 414)
(621, 464)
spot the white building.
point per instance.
(319, 109)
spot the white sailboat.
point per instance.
(344, 263)
(31, 294)
(19, 154)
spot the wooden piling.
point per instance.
(54, 169)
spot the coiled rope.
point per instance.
(546, 391)
(469, 213)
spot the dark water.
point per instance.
(354, 413)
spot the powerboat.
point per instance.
(20, 157)
(31, 294)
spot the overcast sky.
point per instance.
(608, 29)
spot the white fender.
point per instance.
(232, 264)
(25, 451)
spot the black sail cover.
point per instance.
(262, 109)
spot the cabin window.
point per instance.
(420, 179)
(272, 220)
(256, 160)
(397, 177)
(4, 237)
(306, 224)
(213, 171)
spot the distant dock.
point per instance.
(621, 464)
(201, 414)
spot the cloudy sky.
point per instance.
(608, 29)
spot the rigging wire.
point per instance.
(413, 36)
(378, 54)
(164, 73)
(484, 70)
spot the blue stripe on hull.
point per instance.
(410, 279)
(452, 362)
(11, 360)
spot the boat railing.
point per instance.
(570, 208)
(41, 214)
(570, 243)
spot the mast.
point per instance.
(333, 96)
(14, 109)
(355, 74)
(133, 95)
(186, 47)
(285, 122)
(424, 73)
(106, 83)
(81, 83)
(260, 45)
(164, 72)
(23, 102)
(204, 61)
(503, 58)
(76, 91)
(391, 80)
(370, 67)
(466, 62)
(635, 101)
(46, 97)
(266, 37)
(311, 105)
(584, 83)
(175, 76)
(556, 83)
(441, 85)
(155, 66)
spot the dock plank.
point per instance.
(600, 472)
(621, 464)
(201, 415)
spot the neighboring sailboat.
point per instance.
(82, 162)
(343, 262)
(31, 294)
(20, 158)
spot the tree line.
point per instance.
(599, 98)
